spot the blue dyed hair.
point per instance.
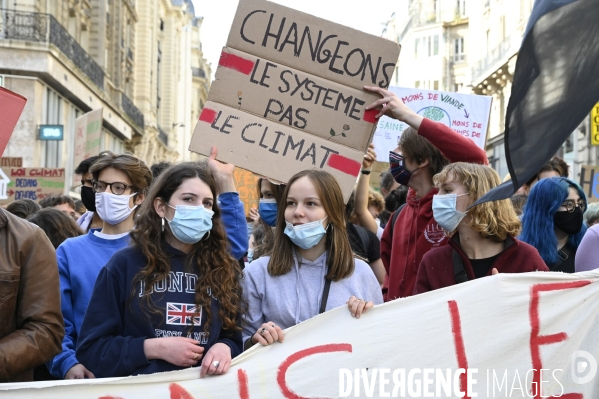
(537, 220)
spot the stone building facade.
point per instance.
(140, 60)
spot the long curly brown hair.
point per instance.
(218, 272)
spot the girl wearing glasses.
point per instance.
(120, 182)
(552, 221)
(172, 299)
(482, 239)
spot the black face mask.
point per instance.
(569, 223)
(88, 197)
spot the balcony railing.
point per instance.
(44, 28)
(509, 45)
(162, 136)
(132, 111)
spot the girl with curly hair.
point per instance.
(552, 221)
(173, 299)
(482, 237)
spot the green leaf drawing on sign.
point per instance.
(332, 132)
(344, 135)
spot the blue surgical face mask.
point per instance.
(190, 223)
(398, 169)
(306, 235)
(445, 212)
(268, 211)
(250, 255)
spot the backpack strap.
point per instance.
(458, 268)
(395, 216)
(325, 295)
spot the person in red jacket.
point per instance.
(423, 150)
(482, 238)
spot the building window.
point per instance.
(436, 85)
(459, 53)
(158, 76)
(53, 116)
(417, 84)
(462, 8)
(428, 41)
(416, 47)
(436, 45)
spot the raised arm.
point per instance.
(364, 216)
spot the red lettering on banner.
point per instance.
(537, 340)
(281, 374)
(460, 348)
(110, 397)
(178, 392)
(244, 389)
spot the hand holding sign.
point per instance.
(222, 173)
(369, 157)
(393, 107)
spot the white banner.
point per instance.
(505, 336)
(467, 114)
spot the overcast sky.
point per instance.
(218, 16)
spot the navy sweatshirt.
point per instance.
(111, 341)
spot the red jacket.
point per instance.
(436, 268)
(415, 231)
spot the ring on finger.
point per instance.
(215, 364)
(195, 357)
(263, 331)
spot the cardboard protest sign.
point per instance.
(266, 144)
(245, 182)
(467, 114)
(32, 183)
(297, 76)
(11, 106)
(589, 181)
(88, 130)
(507, 336)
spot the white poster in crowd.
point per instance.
(505, 336)
(467, 114)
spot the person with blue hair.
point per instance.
(552, 221)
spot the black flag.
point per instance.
(556, 84)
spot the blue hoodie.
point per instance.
(80, 259)
(117, 322)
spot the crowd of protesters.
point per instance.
(153, 269)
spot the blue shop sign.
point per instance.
(51, 132)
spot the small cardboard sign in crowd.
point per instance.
(467, 114)
(288, 94)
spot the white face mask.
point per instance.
(445, 212)
(305, 235)
(112, 208)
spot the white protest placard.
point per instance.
(288, 92)
(467, 114)
(88, 130)
(506, 336)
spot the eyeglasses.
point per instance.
(570, 205)
(117, 188)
